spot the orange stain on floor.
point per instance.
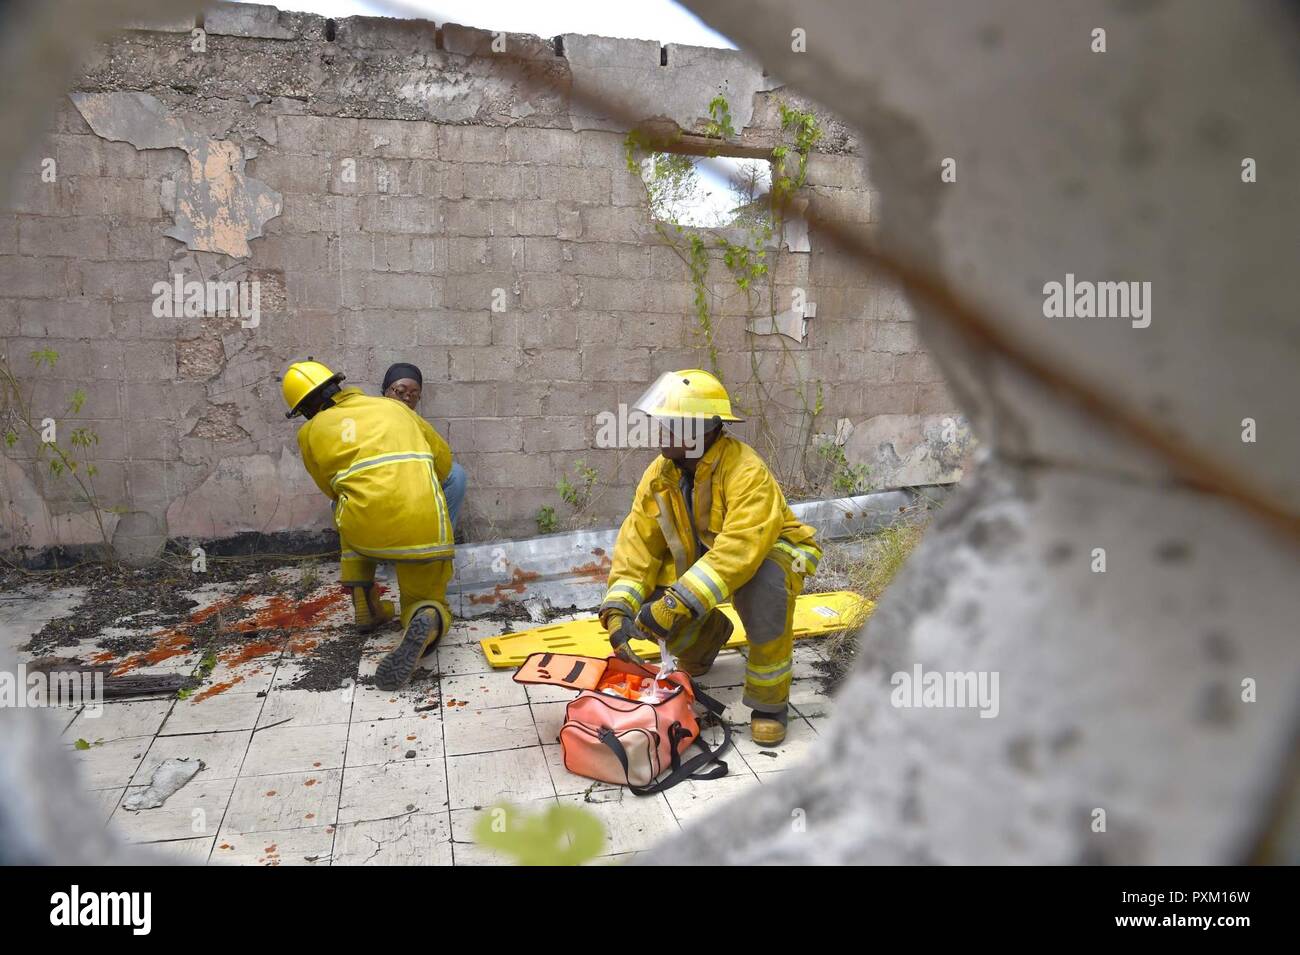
(281, 613)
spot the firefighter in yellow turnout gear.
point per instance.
(708, 524)
(383, 466)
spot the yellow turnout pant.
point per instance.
(419, 583)
(765, 605)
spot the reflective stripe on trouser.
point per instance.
(765, 605)
(419, 583)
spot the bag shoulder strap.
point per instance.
(712, 704)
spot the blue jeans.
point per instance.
(453, 489)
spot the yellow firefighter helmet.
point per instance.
(690, 393)
(301, 380)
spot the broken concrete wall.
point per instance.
(378, 182)
(1143, 629)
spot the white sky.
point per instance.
(661, 20)
(715, 201)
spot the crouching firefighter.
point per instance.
(709, 523)
(383, 466)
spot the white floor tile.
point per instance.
(306, 707)
(489, 779)
(769, 759)
(467, 849)
(483, 690)
(390, 789)
(311, 845)
(186, 851)
(119, 720)
(289, 801)
(472, 631)
(550, 694)
(220, 713)
(410, 839)
(222, 753)
(549, 717)
(369, 703)
(631, 822)
(192, 811)
(110, 765)
(471, 730)
(106, 800)
(727, 670)
(808, 699)
(691, 799)
(246, 678)
(462, 659)
(295, 749)
(384, 741)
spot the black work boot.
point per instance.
(421, 633)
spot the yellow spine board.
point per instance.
(815, 615)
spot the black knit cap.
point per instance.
(399, 371)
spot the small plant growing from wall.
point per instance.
(579, 495)
(546, 522)
(580, 491)
(845, 478)
(54, 459)
(576, 493)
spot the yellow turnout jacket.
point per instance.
(383, 466)
(741, 518)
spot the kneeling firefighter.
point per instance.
(383, 466)
(709, 523)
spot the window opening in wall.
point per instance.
(719, 192)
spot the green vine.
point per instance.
(670, 180)
(719, 124)
(699, 269)
(803, 126)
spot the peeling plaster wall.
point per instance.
(217, 207)
(377, 188)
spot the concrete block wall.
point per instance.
(417, 178)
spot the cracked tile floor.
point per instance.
(354, 775)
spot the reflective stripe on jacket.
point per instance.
(383, 466)
(741, 517)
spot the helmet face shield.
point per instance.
(655, 398)
(684, 408)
